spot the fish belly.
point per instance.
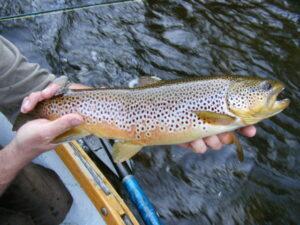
(167, 138)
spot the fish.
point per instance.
(164, 112)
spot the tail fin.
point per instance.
(23, 118)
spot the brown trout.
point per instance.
(167, 112)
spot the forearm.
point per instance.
(12, 160)
(18, 77)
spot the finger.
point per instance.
(225, 138)
(249, 131)
(25, 104)
(62, 124)
(213, 142)
(198, 146)
(50, 91)
(30, 102)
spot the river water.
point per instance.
(112, 45)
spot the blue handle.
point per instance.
(141, 201)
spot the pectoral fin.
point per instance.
(123, 151)
(239, 148)
(215, 118)
(70, 135)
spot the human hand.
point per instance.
(216, 142)
(37, 135)
(30, 101)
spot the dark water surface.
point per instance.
(170, 39)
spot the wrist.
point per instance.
(12, 160)
(22, 151)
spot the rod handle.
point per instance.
(141, 201)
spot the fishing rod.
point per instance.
(134, 190)
(62, 10)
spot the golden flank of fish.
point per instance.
(167, 112)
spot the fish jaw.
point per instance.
(273, 105)
(276, 106)
(266, 107)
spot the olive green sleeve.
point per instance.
(18, 78)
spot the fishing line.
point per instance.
(62, 10)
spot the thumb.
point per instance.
(63, 124)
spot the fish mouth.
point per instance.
(276, 103)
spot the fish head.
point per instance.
(255, 99)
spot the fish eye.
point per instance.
(266, 86)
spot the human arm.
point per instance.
(18, 78)
(33, 138)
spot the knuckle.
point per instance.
(68, 122)
(47, 137)
(32, 95)
(65, 123)
(37, 95)
(41, 136)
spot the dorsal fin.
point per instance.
(67, 91)
(147, 80)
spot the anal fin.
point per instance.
(123, 151)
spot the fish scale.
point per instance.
(170, 112)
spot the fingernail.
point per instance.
(46, 91)
(25, 105)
